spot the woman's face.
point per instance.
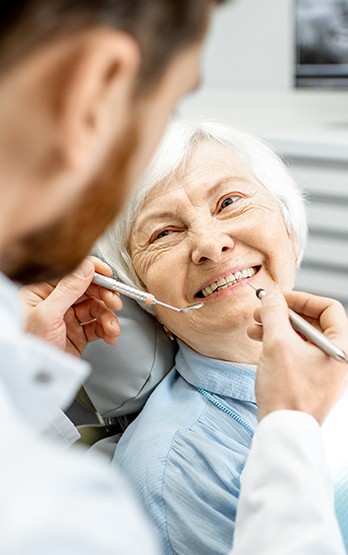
(201, 237)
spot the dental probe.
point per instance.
(137, 294)
(305, 328)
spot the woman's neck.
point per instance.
(233, 347)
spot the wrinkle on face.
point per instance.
(187, 218)
(204, 241)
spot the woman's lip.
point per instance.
(224, 275)
(227, 273)
(226, 290)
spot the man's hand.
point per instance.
(71, 313)
(293, 373)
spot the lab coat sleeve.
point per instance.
(61, 502)
(286, 503)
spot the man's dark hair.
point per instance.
(161, 27)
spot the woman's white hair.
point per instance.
(170, 161)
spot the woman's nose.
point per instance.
(211, 244)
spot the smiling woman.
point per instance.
(216, 204)
(203, 231)
(216, 210)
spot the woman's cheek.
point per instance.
(143, 261)
(283, 268)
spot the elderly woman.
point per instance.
(217, 211)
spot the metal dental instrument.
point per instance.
(137, 294)
(305, 328)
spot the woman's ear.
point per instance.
(94, 96)
(294, 244)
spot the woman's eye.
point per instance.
(228, 201)
(160, 234)
(163, 233)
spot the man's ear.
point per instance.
(94, 96)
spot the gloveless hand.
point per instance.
(73, 312)
(292, 373)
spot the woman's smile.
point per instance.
(200, 237)
(227, 281)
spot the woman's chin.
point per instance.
(228, 323)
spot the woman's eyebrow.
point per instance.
(153, 217)
(223, 181)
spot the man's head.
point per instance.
(85, 91)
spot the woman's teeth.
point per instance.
(227, 281)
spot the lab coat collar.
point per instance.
(10, 307)
(38, 378)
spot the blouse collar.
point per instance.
(230, 379)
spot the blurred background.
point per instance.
(279, 69)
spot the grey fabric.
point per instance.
(105, 446)
(124, 375)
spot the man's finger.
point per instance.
(328, 312)
(110, 298)
(94, 331)
(94, 309)
(255, 332)
(100, 266)
(274, 315)
(70, 288)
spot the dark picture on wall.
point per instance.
(321, 43)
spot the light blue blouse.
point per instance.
(185, 453)
(341, 500)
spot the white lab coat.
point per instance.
(286, 504)
(53, 501)
(56, 502)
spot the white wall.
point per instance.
(251, 46)
(248, 76)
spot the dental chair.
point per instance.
(123, 376)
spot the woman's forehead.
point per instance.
(205, 188)
(208, 165)
(212, 160)
(212, 171)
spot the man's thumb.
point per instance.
(275, 313)
(70, 288)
